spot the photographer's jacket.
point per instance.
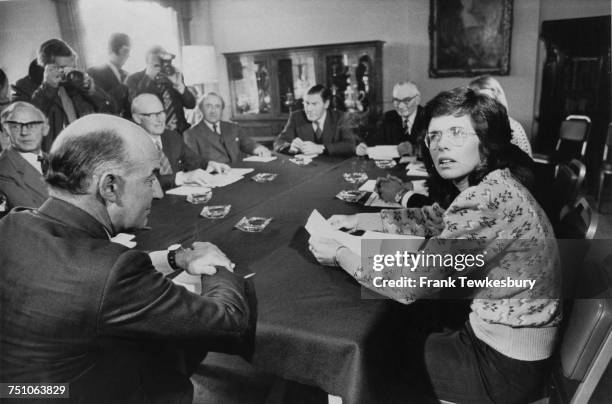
(47, 99)
(139, 83)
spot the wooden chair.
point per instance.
(606, 167)
(573, 135)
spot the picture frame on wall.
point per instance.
(470, 37)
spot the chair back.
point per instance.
(586, 346)
(578, 221)
(573, 137)
(569, 178)
(608, 143)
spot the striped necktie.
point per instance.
(165, 167)
(171, 119)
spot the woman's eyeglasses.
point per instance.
(457, 136)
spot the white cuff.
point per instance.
(179, 179)
(405, 198)
(160, 261)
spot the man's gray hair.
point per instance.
(210, 94)
(8, 111)
(75, 159)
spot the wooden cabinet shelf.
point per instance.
(267, 85)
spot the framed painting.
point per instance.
(469, 37)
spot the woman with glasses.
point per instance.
(501, 353)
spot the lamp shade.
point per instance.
(199, 64)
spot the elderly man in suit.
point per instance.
(317, 130)
(166, 82)
(22, 165)
(402, 126)
(110, 76)
(178, 163)
(220, 141)
(80, 309)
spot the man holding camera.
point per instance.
(161, 78)
(65, 93)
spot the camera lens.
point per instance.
(74, 79)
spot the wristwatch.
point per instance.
(172, 258)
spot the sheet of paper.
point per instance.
(368, 186)
(192, 283)
(318, 226)
(376, 202)
(260, 159)
(416, 169)
(383, 152)
(124, 239)
(185, 190)
(419, 187)
(238, 171)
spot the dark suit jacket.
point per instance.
(21, 183)
(223, 149)
(390, 130)
(338, 136)
(107, 81)
(46, 98)
(180, 156)
(79, 309)
(139, 83)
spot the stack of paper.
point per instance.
(259, 159)
(212, 181)
(383, 152)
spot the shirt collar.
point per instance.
(210, 125)
(32, 158)
(115, 70)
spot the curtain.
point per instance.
(184, 15)
(71, 27)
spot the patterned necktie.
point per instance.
(407, 127)
(44, 164)
(216, 128)
(171, 120)
(317, 131)
(165, 167)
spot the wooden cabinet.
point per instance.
(266, 86)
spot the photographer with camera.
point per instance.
(65, 93)
(163, 79)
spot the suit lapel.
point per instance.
(305, 131)
(327, 135)
(229, 141)
(171, 148)
(28, 176)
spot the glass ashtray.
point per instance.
(385, 163)
(351, 195)
(200, 197)
(264, 177)
(253, 224)
(215, 211)
(355, 177)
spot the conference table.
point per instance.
(314, 325)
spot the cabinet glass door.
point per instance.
(250, 79)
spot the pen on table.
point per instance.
(247, 276)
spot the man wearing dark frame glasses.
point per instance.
(401, 126)
(23, 164)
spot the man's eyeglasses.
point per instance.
(153, 114)
(457, 135)
(19, 126)
(406, 100)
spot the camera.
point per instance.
(165, 61)
(74, 79)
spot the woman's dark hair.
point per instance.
(3, 79)
(490, 121)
